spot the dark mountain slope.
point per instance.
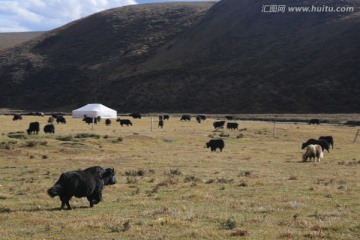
(67, 67)
(186, 58)
(277, 62)
(13, 38)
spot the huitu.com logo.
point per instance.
(305, 9)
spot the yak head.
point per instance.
(109, 176)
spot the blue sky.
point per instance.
(43, 15)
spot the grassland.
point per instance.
(171, 187)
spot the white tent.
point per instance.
(94, 110)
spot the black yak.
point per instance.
(314, 121)
(87, 183)
(329, 139)
(49, 128)
(185, 118)
(219, 124)
(126, 122)
(60, 119)
(34, 127)
(17, 117)
(324, 144)
(232, 125)
(215, 143)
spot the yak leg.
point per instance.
(95, 198)
(65, 201)
(67, 204)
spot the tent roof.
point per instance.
(94, 110)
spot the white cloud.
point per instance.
(42, 15)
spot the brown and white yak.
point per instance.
(313, 151)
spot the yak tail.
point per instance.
(54, 191)
(321, 155)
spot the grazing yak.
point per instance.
(90, 120)
(60, 119)
(329, 139)
(219, 124)
(203, 117)
(232, 125)
(314, 121)
(87, 183)
(324, 144)
(126, 122)
(34, 128)
(107, 122)
(215, 143)
(166, 117)
(49, 128)
(51, 119)
(229, 117)
(161, 124)
(200, 118)
(185, 118)
(17, 117)
(135, 115)
(313, 151)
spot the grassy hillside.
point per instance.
(171, 187)
(12, 39)
(192, 57)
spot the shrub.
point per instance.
(17, 135)
(87, 135)
(5, 210)
(224, 135)
(64, 138)
(239, 232)
(31, 144)
(240, 135)
(119, 139)
(175, 172)
(131, 180)
(138, 172)
(230, 223)
(191, 179)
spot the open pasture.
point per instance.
(171, 187)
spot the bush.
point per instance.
(230, 223)
(119, 139)
(224, 135)
(138, 172)
(31, 144)
(87, 135)
(353, 123)
(175, 172)
(64, 138)
(17, 135)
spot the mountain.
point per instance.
(11, 39)
(224, 57)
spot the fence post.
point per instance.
(274, 129)
(356, 135)
(151, 128)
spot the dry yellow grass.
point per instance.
(171, 187)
